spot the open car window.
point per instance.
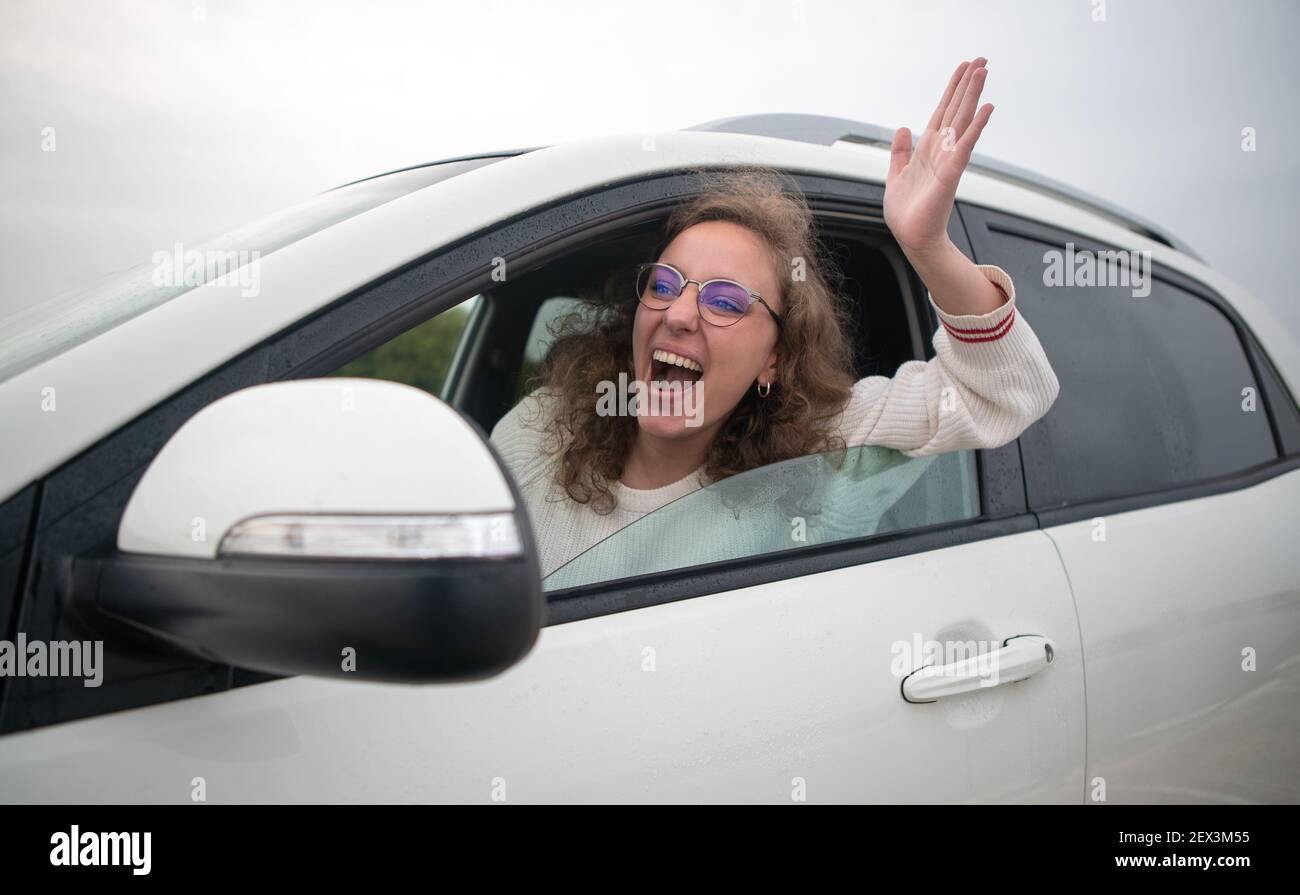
(796, 503)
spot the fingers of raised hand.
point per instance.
(936, 120)
(972, 76)
(900, 151)
(969, 102)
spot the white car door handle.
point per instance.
(1015, 660)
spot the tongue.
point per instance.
(680, 374)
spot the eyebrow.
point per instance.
(678, 267)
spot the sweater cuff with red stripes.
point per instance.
(975, 328)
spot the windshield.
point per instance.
(795, 503)
(63, 321)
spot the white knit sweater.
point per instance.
(1000, 381)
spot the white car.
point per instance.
(271, 497)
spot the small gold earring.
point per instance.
(765, 389)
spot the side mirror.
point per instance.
(351, 528)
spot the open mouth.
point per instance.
(668, 367)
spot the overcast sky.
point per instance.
(178, 119)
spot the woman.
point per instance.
(754, 369)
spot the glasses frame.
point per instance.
(699, 290)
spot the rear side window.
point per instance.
(1156, 389)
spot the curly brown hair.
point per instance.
(814, 356)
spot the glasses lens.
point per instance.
(658, 285)
(724, 303)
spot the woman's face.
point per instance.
(734, 358)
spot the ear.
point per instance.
(768, 373)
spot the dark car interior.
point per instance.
(890, 321)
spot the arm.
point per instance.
(922, 185)
(989, 380)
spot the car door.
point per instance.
(772, 677)
(1166, 475)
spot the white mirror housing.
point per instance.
(331, 467)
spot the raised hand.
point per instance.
(922, 182)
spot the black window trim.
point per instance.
(1275, 400)
(1050, 517)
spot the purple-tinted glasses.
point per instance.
(722, 301)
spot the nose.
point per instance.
(683, 315)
